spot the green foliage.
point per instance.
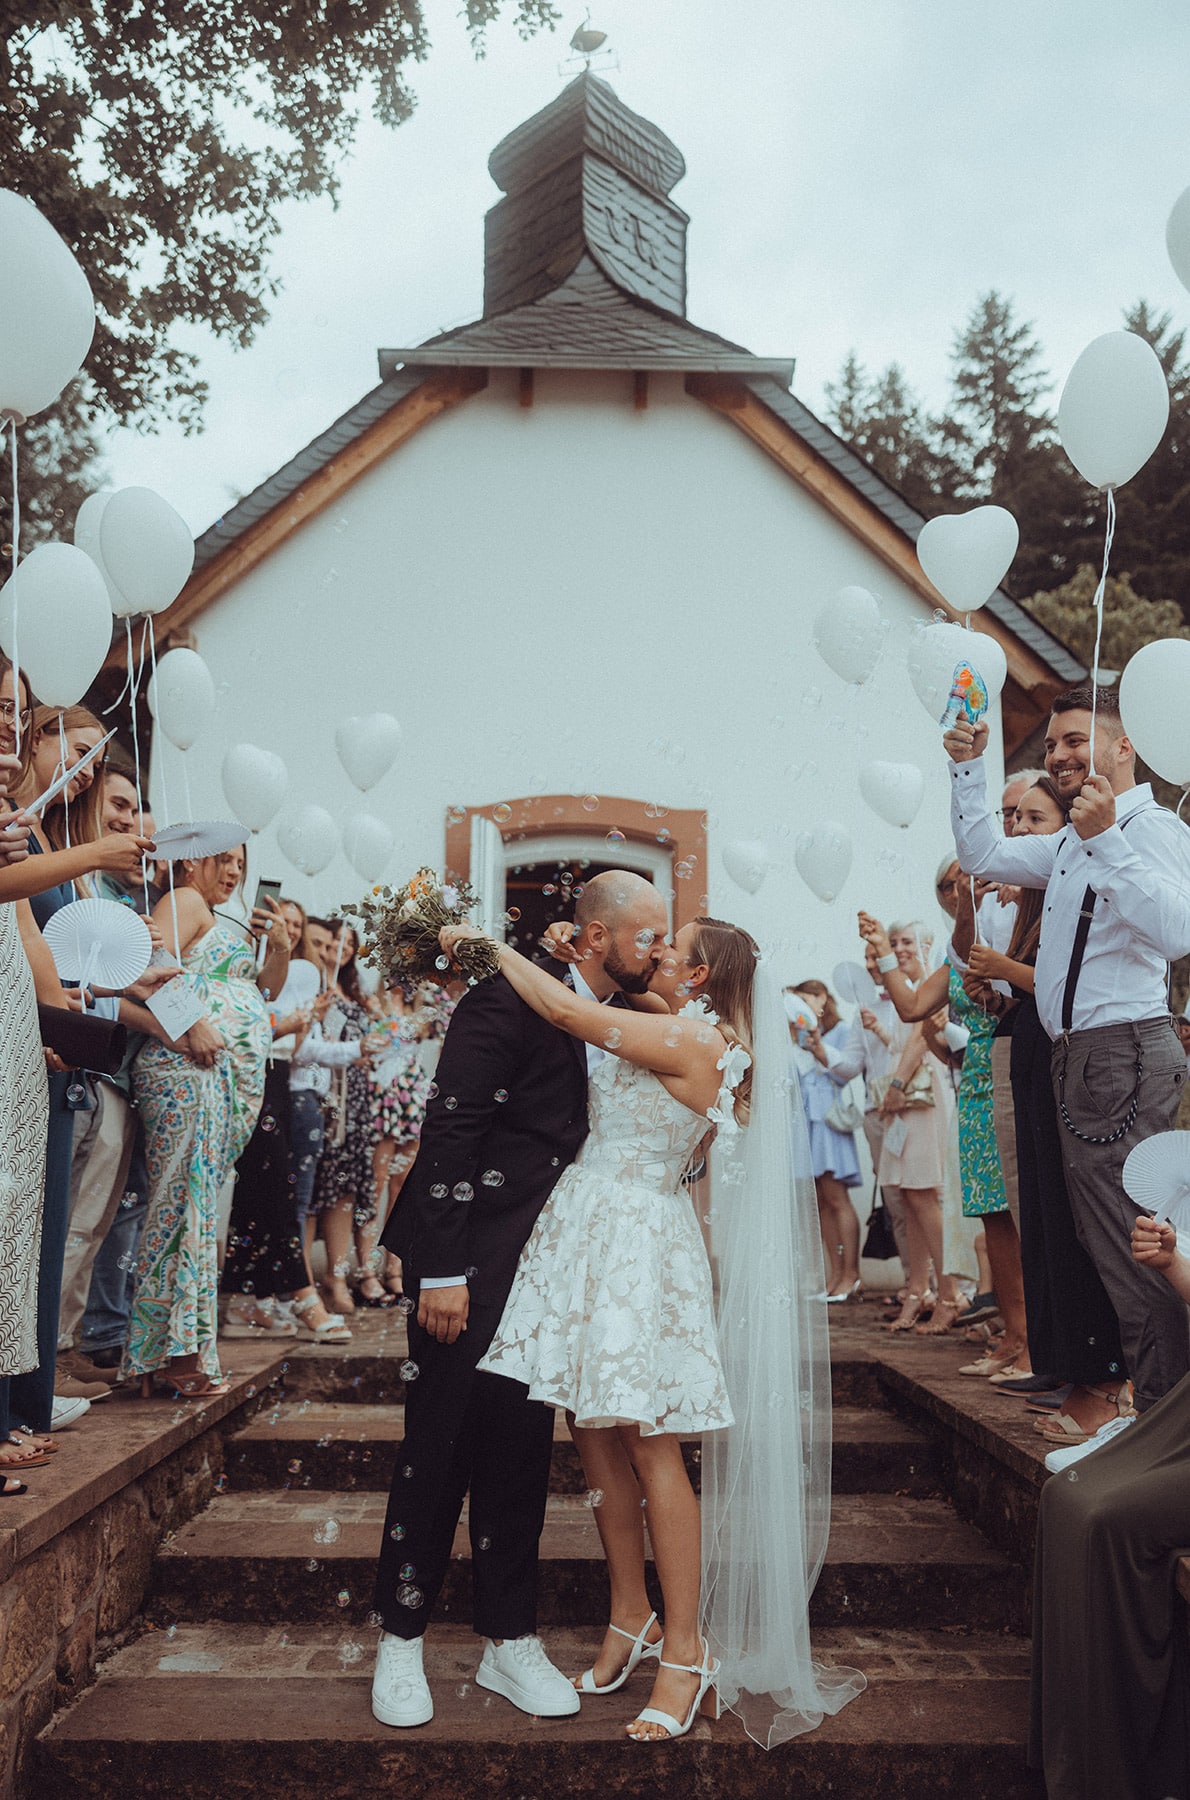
(160, 137)
(1129, 620)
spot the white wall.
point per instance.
(581, 597)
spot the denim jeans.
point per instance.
(305, 1136)
(109, 1299)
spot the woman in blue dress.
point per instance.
(826, 1064)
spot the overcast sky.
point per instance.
(858, 172)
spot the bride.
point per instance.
(611, 1316)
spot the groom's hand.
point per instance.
(442, 1312)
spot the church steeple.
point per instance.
(585, 175)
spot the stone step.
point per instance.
(347, 1447)
(221, 1712)
(258, 1557)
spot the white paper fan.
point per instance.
(206, 837)
(99, 941)
(1157, 1176)
(854, 984)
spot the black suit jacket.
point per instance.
(495, 1044)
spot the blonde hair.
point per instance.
(730, 954)
(85, 815)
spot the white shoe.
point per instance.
(400, 1694)
(67, 1412)
(520, 1670)
(1057, 1460)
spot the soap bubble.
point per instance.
(439, 1191)
(502, 813)
(407, 1472)
(295, 1467)
(328, 1532)
(397, 1533)
(407, 1571)
(463, 1190)
(500, 1096)
(455, 815)
(614, 1038)
(672, 1036)
(593, 1497)
(343, 1597)
(404, 1304)
(590, 802)
(409, 1371)
(492, 1178)
(409, 1596)
(513, 914)
(614, 838)
(483, 1543)
(350, 1653)
(312, 1566)
(450, 1103)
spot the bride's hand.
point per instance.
(557, 941)
(450, 935)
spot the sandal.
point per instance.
(10, 1487)
(941, 1319)
(381, 1298)
(586, 1682)
(243, 1319)
(28, 1459)
(191, 1386)
(912, 1309)
(1063, 1428)
(331, 1330)
(705, 1701)
(34, 1440)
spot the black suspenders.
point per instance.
(1079, 947)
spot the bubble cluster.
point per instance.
(409, 1596)
(439, 1190)
(397, 1533)
(593, 1497)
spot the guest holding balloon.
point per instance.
(199, 1099)
(825, 1066)
(1117, 886)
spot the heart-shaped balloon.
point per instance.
(894, 791)
(367, 845)
(254, 782)
(967, 555)
(823, 858)
(747, 862)
(849, 633)
(936, 651)
(308, 837)
(367, 747)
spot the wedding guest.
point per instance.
(913, 1157)
(344, 1195)
(49, 880)
(121, 813)
(870, 1047)
(825, 1069)
(199, 1099)
(1117, 910)
(1111, 1655)
(399, 1089)
(1074, 1336)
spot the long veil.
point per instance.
(766, 1480)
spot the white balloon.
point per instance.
(309, 838)
(967, 555)
(64, 618)
(1114, 408)
(1153, 691)
(849, 633)
(254, 782)
(1177, 237)
(367, 747)
(47, 315)
(367, 844)
(935, 652)
(182, 697)
(147, 549)
(747, 862)
(894, 791)
(823, 858)
(86, 539)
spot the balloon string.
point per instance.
(1182, 801)
(128, 685)
(61, 770)
(186, 786)
(160, 760)
(132, 684)
(16, 605)
(1098, 603)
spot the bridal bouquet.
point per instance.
(401, 926)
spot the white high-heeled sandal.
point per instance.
(334, 1329)
(587, 1683)
(706, 1701)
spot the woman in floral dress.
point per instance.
(198, 1100)
(345, 1194)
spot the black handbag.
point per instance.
(82, 1040)
(880, 1244)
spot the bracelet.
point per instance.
(886, 964)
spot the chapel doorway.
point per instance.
(538, 893)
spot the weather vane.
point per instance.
(587, 44)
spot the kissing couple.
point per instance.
(554, 1257)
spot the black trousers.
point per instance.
(264, 1246)
(1073, 1329)
(465, 1432)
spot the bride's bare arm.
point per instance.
(667, 1044)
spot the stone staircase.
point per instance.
(252, 1672)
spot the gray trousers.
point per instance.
(1004, 1121)
(1095, 1078)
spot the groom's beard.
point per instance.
(629, 981)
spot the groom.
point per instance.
(508, 1115)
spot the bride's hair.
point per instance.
(731, 955)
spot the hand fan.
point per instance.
(1157, 1176)
(208, 837)
(100, 942)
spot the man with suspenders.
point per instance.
(1117, 911)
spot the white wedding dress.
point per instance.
(611, 1313)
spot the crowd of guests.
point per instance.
(177, 1195)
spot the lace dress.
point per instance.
(22, 1150)
(611, 1313)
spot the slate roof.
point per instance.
(586, 323)
(587, 115)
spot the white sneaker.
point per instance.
(400, 1694)
(67, 1412)
(520, 1670)
(1057, 1460)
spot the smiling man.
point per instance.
(1117, 911)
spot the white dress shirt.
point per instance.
(1141, 920)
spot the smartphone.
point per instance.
(266, 890)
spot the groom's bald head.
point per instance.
(620, 924)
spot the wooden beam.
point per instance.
(640, 390)
(731, 397)
(525, 388)
(434, 396)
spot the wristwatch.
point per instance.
(897, 1083)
